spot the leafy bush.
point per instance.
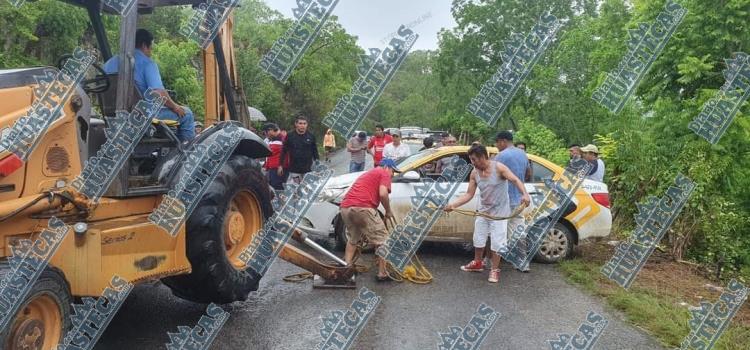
(179, 70)
(541, 141)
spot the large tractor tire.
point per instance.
(223, 224)
(43, 318)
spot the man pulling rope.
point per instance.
(492, 179)
(360, 214)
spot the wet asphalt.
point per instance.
(534, 307)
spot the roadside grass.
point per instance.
(657, 311)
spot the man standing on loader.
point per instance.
(359, 210)
(146, 76)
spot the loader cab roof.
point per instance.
(144, 6)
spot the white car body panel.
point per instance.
(454, 227)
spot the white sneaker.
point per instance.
(494, 276)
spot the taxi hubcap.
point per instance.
(555, 244)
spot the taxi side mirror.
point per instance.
(411, 176)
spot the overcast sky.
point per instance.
(374, 21)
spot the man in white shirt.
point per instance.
(591, 154)
(396, 150)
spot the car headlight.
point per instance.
(331, 194)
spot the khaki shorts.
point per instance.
(363, 222)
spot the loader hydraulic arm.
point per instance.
(333, 275)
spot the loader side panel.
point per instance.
(131, 247)
(56, 157)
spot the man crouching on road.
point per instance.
(492, 179)
(359, 210)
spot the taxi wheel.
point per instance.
(557, 245)
(339, 231)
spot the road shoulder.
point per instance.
(659, 299)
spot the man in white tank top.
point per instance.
(492, 179)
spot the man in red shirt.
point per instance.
(359, 210)
(273, 162)
(377, 143)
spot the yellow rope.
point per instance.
(514, 214)
(414, 272)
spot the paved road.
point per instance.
(534, 307)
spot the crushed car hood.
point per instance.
(343, 181)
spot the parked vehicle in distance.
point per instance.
(414, 143)
(588, 215)
(411, 130)
(436, 133)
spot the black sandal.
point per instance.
(385, 278)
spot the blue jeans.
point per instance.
(276, 181)
(355, 167)
(186, 130)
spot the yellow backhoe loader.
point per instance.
(114, 236)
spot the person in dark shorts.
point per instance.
(359, 210)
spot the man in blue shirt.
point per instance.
(146, 75)
(518, 163)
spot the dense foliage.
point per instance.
(645, 146)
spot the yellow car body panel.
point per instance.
(588, 219)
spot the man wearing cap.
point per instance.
(273, 162)
(360, 214)
(357, 146)
(396, 150)
(591, 154)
